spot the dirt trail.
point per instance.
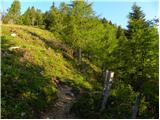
(61, 109)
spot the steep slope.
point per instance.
(35, 65)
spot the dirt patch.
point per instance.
(26, 56)
(61, 108)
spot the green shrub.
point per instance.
(119, 104)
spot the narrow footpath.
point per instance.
(61, 109)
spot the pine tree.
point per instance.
(136, 30)
(142, 49)
(83, 29)
(32, 17)
(53, 20)
(119, 32)
(39, 18)
(109, 44)
(104, 20)
(136, 20)
(119, 53)
(13, 14)
(26, 17)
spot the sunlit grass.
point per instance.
(30, 70)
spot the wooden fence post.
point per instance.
(135, 107)
(107, 86)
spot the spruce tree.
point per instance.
(142, 60)
(13, 14)
(32, 17)
(53, 20)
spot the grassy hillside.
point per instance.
(33, 63)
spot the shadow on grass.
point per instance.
(24, 89)
(70, 56)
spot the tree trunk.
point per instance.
(107, 86)
(135, 107)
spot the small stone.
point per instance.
(68, 98)
(13, 34)
(23, 113)
(70, 94)
(15, 47)
(42, 73)
(59, 104)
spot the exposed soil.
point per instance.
(61, 108)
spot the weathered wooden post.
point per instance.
(135, 107)
(107, 86)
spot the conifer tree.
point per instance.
(39, 18)
(84, 30)
(13, 14)
(142, 49)
(26, 17)
(33, 17)
(53, 20)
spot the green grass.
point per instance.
(28, 72)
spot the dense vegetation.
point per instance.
(76, 47)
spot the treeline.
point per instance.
(131, 53)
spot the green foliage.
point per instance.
(119, 104)
(32, 17)
(13, 14)
(139, 56)
(85, 30)
(53, 20)
(108, 45)
(86, 106)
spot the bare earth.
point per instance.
(61, 109)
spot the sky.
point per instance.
(114, 10)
